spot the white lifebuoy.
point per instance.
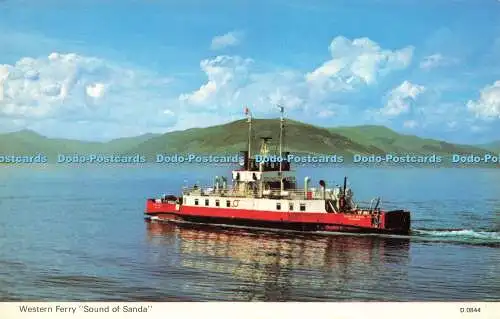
(235, 203)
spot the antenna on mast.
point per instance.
(282, 126)
(249, 121)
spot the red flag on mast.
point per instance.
(246, 110)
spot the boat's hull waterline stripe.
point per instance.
(300, 221)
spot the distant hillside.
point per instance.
(299, 138)
(493, 146)
(382, 138)
(27, 142)
(232, 137)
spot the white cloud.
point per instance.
(283, 96)
(488, 104)
(225, 75)
(71, 87)
(326, 113)
(168, 112)
(4, 73)
(436, 60)
(229, 39)
(95, 90)
(410, 124)
(360, 61)
(400, 98)
(233, 82)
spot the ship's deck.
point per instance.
(289, 194)
(270, 193)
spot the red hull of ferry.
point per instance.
(394, 222)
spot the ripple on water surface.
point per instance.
(78, 234)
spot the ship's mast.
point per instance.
(249, 120)
(282, 126)
(263, 151)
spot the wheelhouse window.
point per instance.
(290, 206)
(302, 207)
(278, 206)
(217, 202)
(196, 201)
(228, 203)
(206, 202)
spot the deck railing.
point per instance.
(230, 192)
(312, 193)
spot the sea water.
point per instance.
(77, 233)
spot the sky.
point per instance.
(102, 69)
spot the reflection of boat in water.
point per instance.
(277, 261)
(264, 194)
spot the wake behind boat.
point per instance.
(265, 195)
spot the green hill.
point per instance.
(27, 142)
(493, 146)
(232, 137)
(380, 137)
(299, 138)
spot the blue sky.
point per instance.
(97, 70)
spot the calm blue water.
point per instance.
(79, 234)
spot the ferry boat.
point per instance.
(265, 195)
